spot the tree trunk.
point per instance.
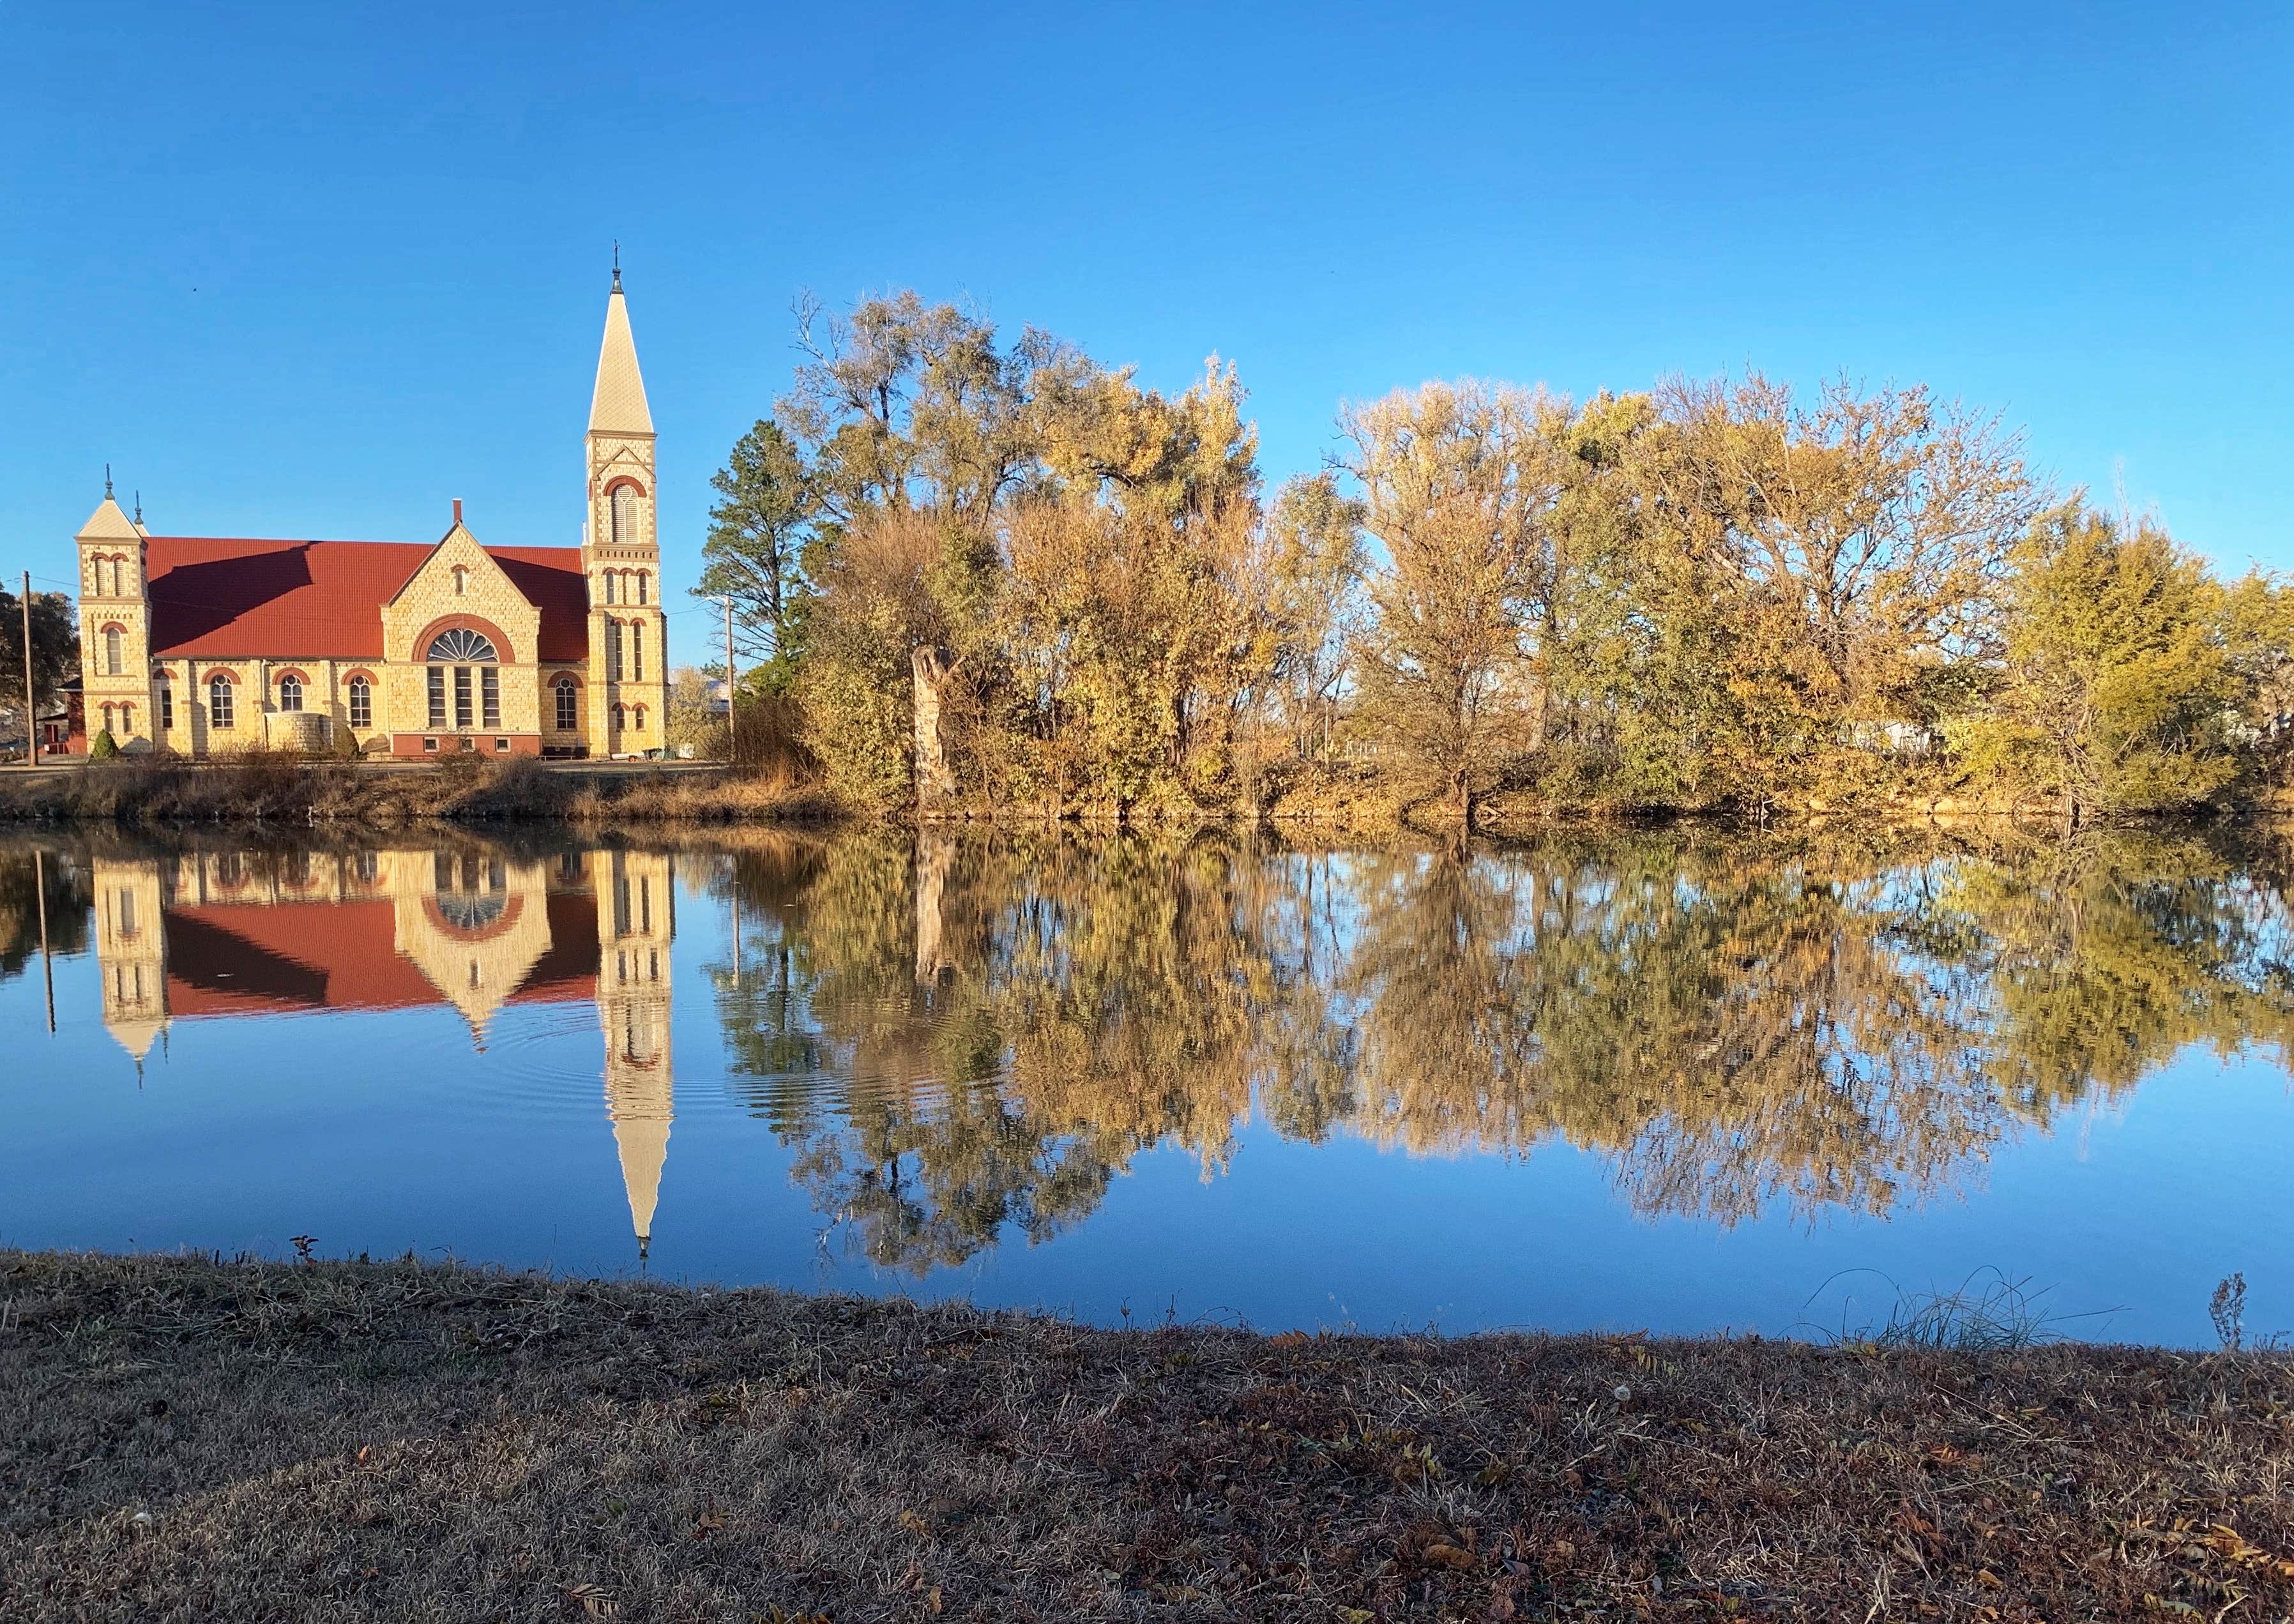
(935, 779)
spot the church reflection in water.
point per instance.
(201, 935)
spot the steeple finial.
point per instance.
(617, 265)
(139, 507)
(107, 467)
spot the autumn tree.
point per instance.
(1457, 490)
(2120, 686)
(1855, 544)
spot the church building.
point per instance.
(204, 644)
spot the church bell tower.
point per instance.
(627, 687)
(115, 625)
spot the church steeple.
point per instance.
(617, 404)
(621, 553)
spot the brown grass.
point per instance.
(283, 788)
(185, 1439)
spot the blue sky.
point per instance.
(315, 270)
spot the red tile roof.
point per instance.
(237, 958)
(229, 599)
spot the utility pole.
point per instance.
(732, 709)
(40, 891)
(31, 703)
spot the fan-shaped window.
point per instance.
(625, 515)
(290, 692)
(462, 646)
(466, 912)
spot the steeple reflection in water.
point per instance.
(207, 935)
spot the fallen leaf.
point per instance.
(1288, 1339)
(1449, 1556)
(592, 1599)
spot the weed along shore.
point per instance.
(286, 788)
(186, 1438)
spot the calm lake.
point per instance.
(1674, 1080)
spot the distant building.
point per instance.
(63, 730)
(202, 645)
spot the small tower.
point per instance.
(115, 626)
(636, 923)
(131, 951)
(620, 553)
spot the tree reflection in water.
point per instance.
(965, 1037)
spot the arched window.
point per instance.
(361, 702)
(613, 651)
(619, 719)
(641, 586)
(462, 646)
(116, 562)
(219, 701)
(112, 665)
(567, 716)
(127, 718)
(462, 580)
(107, 719)
(290, 692)
(459, 648)
(166, 703)
(637, 718)
(606, 584)
(637, 651)
(625, 515)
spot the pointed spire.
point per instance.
(107, 467)
(108, 523)
(638, 1105)
(617, 405)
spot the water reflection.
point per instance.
(1737, 1025)
(962, 1040)
(207, 935)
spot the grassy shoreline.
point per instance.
(186, 1438)
(265, 788)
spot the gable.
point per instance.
(458, 581)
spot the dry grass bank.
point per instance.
(181, 1439)
(262, 787)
